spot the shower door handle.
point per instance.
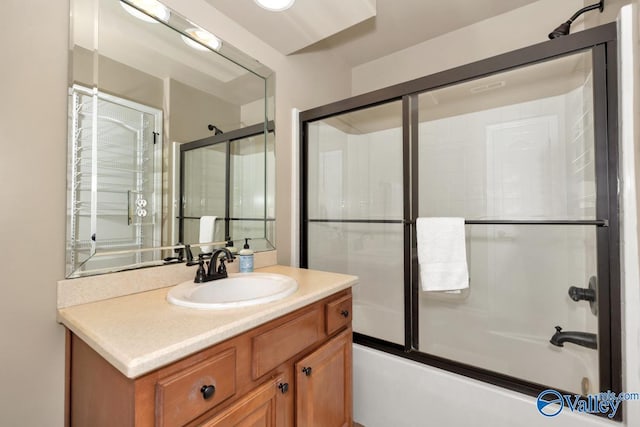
(129, 213)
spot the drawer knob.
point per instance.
(307, 370)
(284, 387)
(208, 391)
(344, 313)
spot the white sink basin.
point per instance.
(238, 290)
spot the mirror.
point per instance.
(171, 140)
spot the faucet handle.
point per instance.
(222, 268)
(558, 329)
(201, 273)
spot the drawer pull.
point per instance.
(208, 391)
(344, 313)
(284, 387)
(307, 370)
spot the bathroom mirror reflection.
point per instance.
(170, 128)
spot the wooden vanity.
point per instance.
(292, 370)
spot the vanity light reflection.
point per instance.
(201, 39)
(150, 7)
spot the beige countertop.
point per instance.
(141, 332)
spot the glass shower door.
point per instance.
(225, 176)
(355, 212)
(514, 155)
(115, 200)
(203, 191)
(523, 147)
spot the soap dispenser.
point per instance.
(246, 258)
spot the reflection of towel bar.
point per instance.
(596, 222)
(230, 219)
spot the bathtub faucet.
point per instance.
(584, 339)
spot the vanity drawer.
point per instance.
(277, 345)
(189, 393)
(338, 314)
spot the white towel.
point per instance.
(207, 229)
(442, 254)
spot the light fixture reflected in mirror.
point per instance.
(204, 39)
(151, 8)
(275, 5)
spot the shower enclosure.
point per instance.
(115, 178)
(226, 176)
(523, 147)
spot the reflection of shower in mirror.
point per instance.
(143, 60)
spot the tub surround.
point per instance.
(140, 331)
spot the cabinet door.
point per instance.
(323, 385)
(256, 409)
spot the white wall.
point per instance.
(630, 140)
(33, 122)
(513, 30)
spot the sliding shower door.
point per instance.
(355, 210)
(514, 154)
(523, 147)
(203, 187)
(251, 202)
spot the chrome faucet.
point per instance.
(212, 272)
(584, 339)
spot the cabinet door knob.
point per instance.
(307, 370)
(344, 313)
(284, 387)
(208, 391)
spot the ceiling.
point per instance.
(359, 31)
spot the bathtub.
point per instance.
(391, 391)
(467, 338)
(471, 339)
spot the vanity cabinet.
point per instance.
(291, 371)
(323, 385)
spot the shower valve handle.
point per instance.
(589, 294)
(579, 294)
